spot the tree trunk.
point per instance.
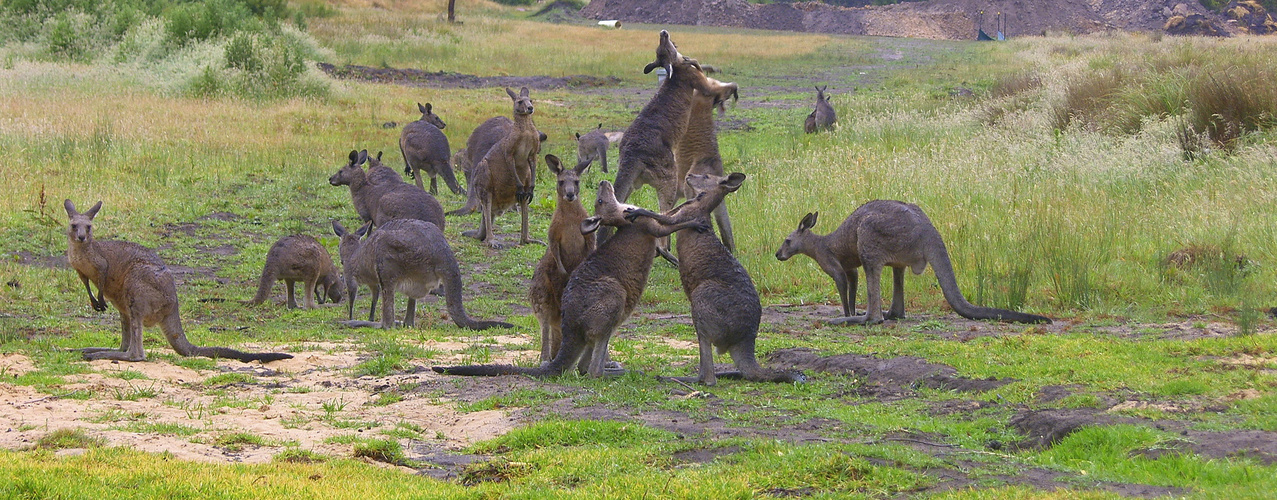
(452, 16)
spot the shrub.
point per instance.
(1224, 105)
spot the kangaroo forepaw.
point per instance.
(634, 213)
(532, 241)
(702, 228)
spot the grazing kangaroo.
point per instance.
(566, 248)
(593, 146)
(380, 195)
(697, 150)
(139, 285)
(725, 307)
(647, 148)
(424, 147)
(300, 258)
(886, 233)
(823, 117)
(505, 176)
(407, 256)
(602, 292)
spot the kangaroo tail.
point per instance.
(938, 257)
(568, 355)
(452, 296)
(264, 285)
(224, 352)
(472, 201)
(743, 356)
(450, 177)
(486, 370)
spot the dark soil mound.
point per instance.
(1047, 427)
(893, 375)
(445, 79)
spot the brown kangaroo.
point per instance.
(593, 146)
(885, 233)
(481, 140)
(725, 306)
(823, 117)
(566, 249)
(408, 256)
(602, 292)
(697, 150)
(139, 285)
(380, 195)
(505, 176)
(300, 258)
(647, 148)
(424, 147)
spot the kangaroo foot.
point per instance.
(534, 241)
(669, 257)
(354, 323)
(93, 353)
(892, 315)
(854, 320)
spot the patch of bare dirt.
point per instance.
(446, 79)
(883, 377)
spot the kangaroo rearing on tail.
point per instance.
(823, 117)
(602, 292)
(566, 248)
(885, 233)
(697, 151)
(139, 285)
(424, 147)
(725, 306)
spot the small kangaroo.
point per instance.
(602, 292)
(566, 248)
(407, 256)
(424, 147)
(300, 258)
(647, 148)
(823, 117)
(506, 175)
(380, 195)
(885, 233)
(139, 285)
(697, 151)
(593, 146)
(725, 306)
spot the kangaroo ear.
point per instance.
(93, 212)
(379, 156)
(71, 211)
(591, 224)
(422, 109)
(523, 92)
(808, 221)
(511, 93)
(554, 164)
(733, 181)
(338, 229)
(363, 230)
(428, 107)
(542, 135)
(354, 157)
(581, 166)
(651, 66)
(578, 136)
(363, 157)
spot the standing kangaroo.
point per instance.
(300, 258)
(140, 286)
(504, 178)
(566, 248)
(647, 148)
(593, 146)
(380, 195)
(424, 147)
(602, 292)
(697, 150)
(407, 256)
(885, 233)
(823, 117)
(725, 306)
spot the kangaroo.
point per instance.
(408, 256)
(300, 258)
(601, 293)
(647, 148)
(424, 147)
(697, 150)
(139, 285)
(504, 178)
(480, 142)
(379, 198)
(566, 249)
(823, 117)
(885, 233)
(593, 146)
(725, 306)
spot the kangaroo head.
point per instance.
(80, 229)
(820, 94)
(710, 184)
(349, 242)
(352, 171)
(329, 288)
(522, 102)
(607, 210)
(429, 117)
(668, 57)
(717, 93)
(569, 179)
(799, 241)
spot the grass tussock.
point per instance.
(67, 438)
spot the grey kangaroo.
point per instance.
(885, 233)
(602, 292)
(380, 195)
(566, 248)
(481, 140)
(505, 176)
(140, 286)
(593, 146)
(424, 147)
(647, 148)
(725, 307)
(407, 256)
(823, 117)
(300, 258)
(697, 151)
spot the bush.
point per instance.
(1224, 105)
